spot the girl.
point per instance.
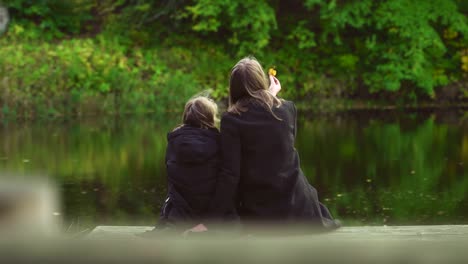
(192, 161)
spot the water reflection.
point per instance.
(369, 168)
(389, 168)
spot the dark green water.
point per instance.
(369, 167)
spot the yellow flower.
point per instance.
(272, 71)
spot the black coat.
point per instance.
(260, 174)
(192, 162)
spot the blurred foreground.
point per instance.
(28, 208)
(246, 249)
(30, 231)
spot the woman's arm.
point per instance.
(224, 200)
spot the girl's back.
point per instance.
(192, 161)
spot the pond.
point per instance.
(373, 168)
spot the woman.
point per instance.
(260, 173)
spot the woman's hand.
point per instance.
(275, 85)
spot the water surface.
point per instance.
(369, 167)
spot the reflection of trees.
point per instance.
(109, 173)
(399, 171)
(386, 168)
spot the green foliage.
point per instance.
(135, 56)
(55, 18)
(247, 23)
(397, 41)
(89, 76)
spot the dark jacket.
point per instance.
(192, 160)
(260, 172)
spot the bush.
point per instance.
(85, 76)
(112, 56)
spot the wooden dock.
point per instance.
(362, 233)
(364, 244)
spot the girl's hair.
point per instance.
(249, 82)
(200, 111)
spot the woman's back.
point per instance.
(267, 161)
(271, 185)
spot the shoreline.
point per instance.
(326, 107)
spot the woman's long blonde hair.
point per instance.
(248, 82)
